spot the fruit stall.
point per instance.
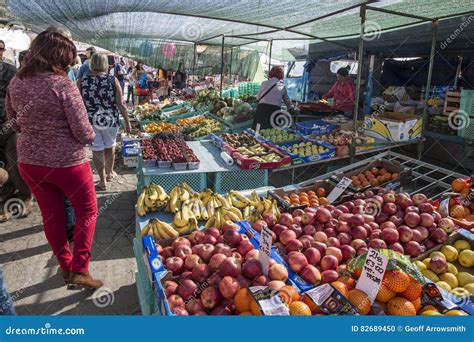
(387, 235)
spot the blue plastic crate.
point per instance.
(316, 127)
(143, 282)
(247, 179)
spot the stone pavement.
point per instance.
(30, 269)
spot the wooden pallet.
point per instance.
(452, 102)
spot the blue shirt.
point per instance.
(84, 70)
(70, 75)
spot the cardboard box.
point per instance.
(393, 126)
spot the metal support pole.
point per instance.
(359, 76)
(270, 57)
(222, 64)
(230, 64)
(194, 61)
(434, 31)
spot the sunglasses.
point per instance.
(2, 49)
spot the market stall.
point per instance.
(323, 236)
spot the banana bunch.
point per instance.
(258, 207)
(213, 201)
(186, 219)
(159, 230)
(152, 198)
(178, 195)
(238, 200)
(223, 214)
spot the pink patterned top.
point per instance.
(48, 112)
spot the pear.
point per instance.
(465, 278)
(444, 285)
(450, 279)
(461, 245)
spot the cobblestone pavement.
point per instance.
(31, 271)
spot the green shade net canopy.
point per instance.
(163, 32)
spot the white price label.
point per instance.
(372, 273)
(269, 301)
(339, 189)
(265, 248)
(257, 130)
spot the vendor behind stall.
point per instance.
(272, 93)
(342, 93)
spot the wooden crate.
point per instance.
(452, 102)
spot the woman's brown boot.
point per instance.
(85, 279)
(66, 275)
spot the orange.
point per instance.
(298, 308)
(384, 294)
(294, 196)
(400, 306)
(323, 200)
(465, 192)
(416, 303)
(457, 211)
(246, 313)
(360, 300)
(288, 294)
(348, 281)
(242, 300)
(255, 308)
(341, 287)
(458, 184)
(413, 291)
(321, 192)
(426, 308)
(311, 193)
(396, 280)
(312, 306)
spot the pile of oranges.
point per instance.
(461, 207)
(157, 127)
(373, 177)
(310, 198)
(245, 304)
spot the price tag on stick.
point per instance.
(265, 248)
(372, 273)
(339, 189)
(257, 130)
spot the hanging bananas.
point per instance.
(152, 198)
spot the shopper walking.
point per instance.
(271, 95)
(52, 159)
(103, 99)
(85, 70)
(342, 93)
(120, 72)
(131, 85)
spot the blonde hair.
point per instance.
(99, 62)
(77, 61)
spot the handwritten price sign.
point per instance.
(339, 189)
(372, 273)
(265, 248)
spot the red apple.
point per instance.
(180, 241)
(389, 208)
(307, 218)
(437, 217)
(447, 225)
(191, 261)
(397, 247)
(321, 247)
(306, 241)
(376, 234)
(187, 288)
(311, 275)
(214, 279)
(223, 249)
(260, 281)
(170, 287)
(329, 276)
(208, 239)
(405, 233)
(381, 218)
(336, 213)
(412, 219)
(206, 252)
(396, 220)
(175, 265)
(344, 238)
(297, 261)
(389, 235)
(195, 236)
(230, 267)
(286, 236)
(312, 255)
(373, 225)
(426, 208)
(423, 231)
(416, 236)
(229, 225)
(309, 229)
(343, 209)
(359, 232)
(332, 223)
(276, 284)
(252, 268)
(426, 220)
(168, 252)
(244, 247)
(221, 311)
(253, 254)
(210, 297)
(412, 209)
(185, 275)
(243, 282)
(362, 251)
(429, 244)
(439, 235)
(377, 243)
(330, 232)
(358, 243)
(232, 237)
(333, 242)
(323, 215)
(438, 265)
(297, 229)
(343, 227)
(194, 305)
(348, 252)
(175, 301)
(296, 221)
(356, 220)
(389, 198)
(294, 245)
(329, 262)
(216, 261)
(336, 251)
(180, 311)
(298, 212)
(286, 219)
(388, 224)
(269, 219)
(419, 198)
(228, 287)
(278, 272)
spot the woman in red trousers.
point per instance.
(46, 108)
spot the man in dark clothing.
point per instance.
(17, 187)
(119, 72)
